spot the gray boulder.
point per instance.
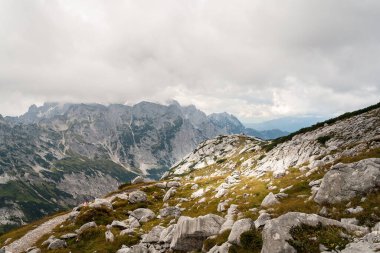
(170, 211)
(33, 250)
(345, 181)
(144, 214)
(68, 236)
(190, 233)
(100, 203)
(269, 200)
(262, 219)
(370, 243)
(153, 235)
(119, 224)
(224, 248)
(238, 228)
(276, 231)
(137, 197)
(57, 244)
(169, 194)
(86, 226)
(173, 184)
(166, 235)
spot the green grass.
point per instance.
(217, 240)
(306, 239)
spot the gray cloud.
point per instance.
(256, 59)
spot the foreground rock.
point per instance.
(239, 228)
(345, 181)
(276, 231)
(137, 197)
(370, 243)
(190, 233)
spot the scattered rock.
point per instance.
(269, 200)
(173, 184)
(194, 187)
(224, 248)
(153, 235)
(119, 224)
(348, 221)
(345, 181)
(262, 219)
(128, 231)
(57, 244)
(100, 203)
(238, 228)
(143, 214)
(169, 194)
(170, 211)
(166, 235)
(199, 193)
(68, 236)
(33, 250)
(355, 210)
(137, 197)
(190, 233)
(276, 231)
(86, 226)
(109, 236)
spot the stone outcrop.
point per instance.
(346, 181)
(276, 232)
(239, 228)
(190, 233)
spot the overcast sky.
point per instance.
(256, 59)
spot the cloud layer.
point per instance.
(255, 59)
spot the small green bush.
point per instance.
(306, 239)
(251, 240)
(323, 139)
(218, 240)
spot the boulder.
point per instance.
(161, 185)
(170, 211)
(269, 200)
(166, 235)
(154, 235)
(109, 236)
(100, 203)
(370, 243)
(262, 219)
(57, 244)
(86, 226)
(119, 224)
(169, 194)
(133, 222)
(33, 250)
(224, 248)
(190, 233)
(345, 181)
(276, 231)
(238, 228)
(197, 194)
(144, 214)
(128, 231)
(68, 236)
(173, 184)
(137, 197)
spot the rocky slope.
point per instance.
(314, 191)
(59, 155)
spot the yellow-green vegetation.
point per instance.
(306, 239)
(251, 241)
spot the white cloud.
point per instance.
(256, 59)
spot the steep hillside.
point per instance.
(59, 155)
(315, 191)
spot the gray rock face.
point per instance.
(154, 235)
(57, 244)
(345, 181)
(269, 200)
(190, 233)
(166, 235)
(276, 231)
(238, 228)
(137, 197)
(370, 243)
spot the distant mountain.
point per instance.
(287, 124)
(58, 155)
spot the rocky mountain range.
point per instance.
(59, 155)
(316, 190)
